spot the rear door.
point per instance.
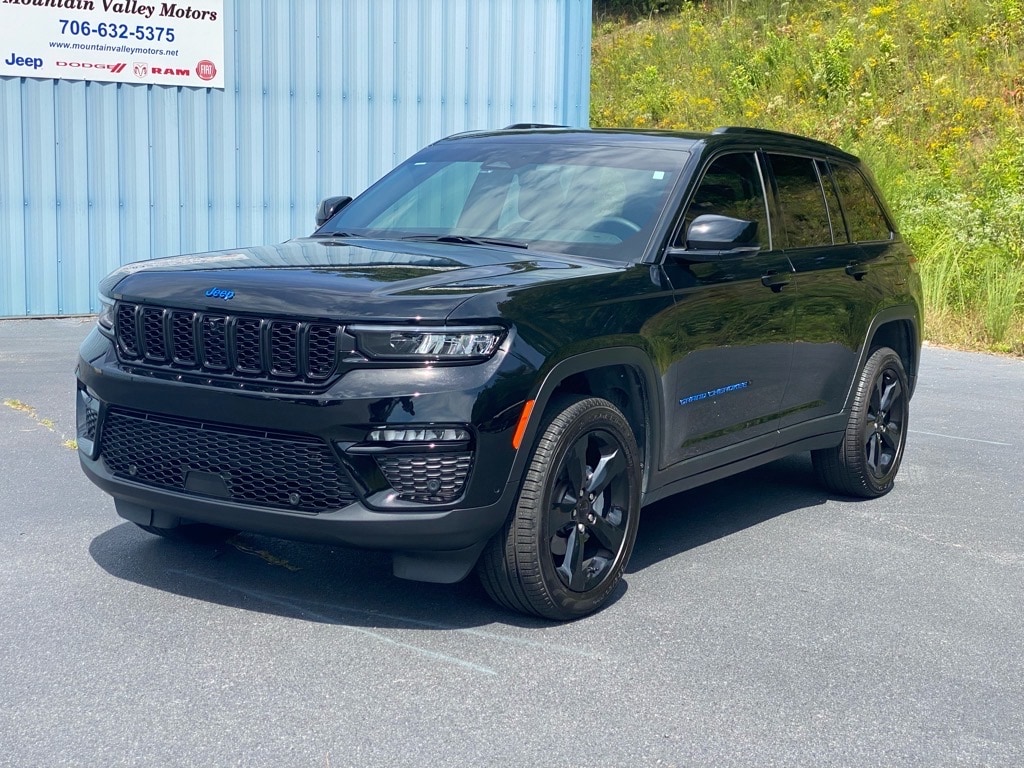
(833, 256)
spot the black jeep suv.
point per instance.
(502, 350)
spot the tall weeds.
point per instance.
(930, 94)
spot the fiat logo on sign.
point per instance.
(206, 70)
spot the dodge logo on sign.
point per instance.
(119, 67)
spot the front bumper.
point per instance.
(340, 419)
(353, 525)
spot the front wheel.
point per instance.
(564, 548)
(866, 462)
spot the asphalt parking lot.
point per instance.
(761, 622)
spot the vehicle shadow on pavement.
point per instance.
(306, 581)
(693, 518)
(353, 587)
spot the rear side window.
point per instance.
(864, 217)
(804, 215)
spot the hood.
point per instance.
(339, 279)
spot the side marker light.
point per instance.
(524, 419)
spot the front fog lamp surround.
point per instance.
(419, 464)
(395, 343)
(87, 418)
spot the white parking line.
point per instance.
(955, 437)
(325, 619)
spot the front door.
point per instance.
(725, 347)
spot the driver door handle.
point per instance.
(775, 280)
(856, 270)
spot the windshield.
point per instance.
(596, 201)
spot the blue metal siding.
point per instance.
(322, 97)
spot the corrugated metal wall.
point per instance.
(322, 97)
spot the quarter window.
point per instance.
(864, 216)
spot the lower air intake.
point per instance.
(294, 472)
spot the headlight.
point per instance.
(427, 343)
(105, 318)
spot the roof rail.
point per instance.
(527, 126)
(767, 133)
(747, 129)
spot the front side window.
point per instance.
(731, 186)
(587, 200)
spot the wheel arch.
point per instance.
(898, 330)
(624, 376)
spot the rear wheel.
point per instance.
(571, 532)
(866, 462)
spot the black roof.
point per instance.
(723, 136)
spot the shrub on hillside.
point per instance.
(636, 7)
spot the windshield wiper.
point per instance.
(339, 235)
(466, 240)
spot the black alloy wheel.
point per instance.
(586, 524)
(571, 533)
(885, 420)
(866, 462)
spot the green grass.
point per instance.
(929, 92)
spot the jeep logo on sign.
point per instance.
(220, 293)
(23, 61)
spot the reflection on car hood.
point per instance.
(352, 279)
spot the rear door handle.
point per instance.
(856, 270)
(775, 281)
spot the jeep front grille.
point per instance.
(212, 343)
(296, 472)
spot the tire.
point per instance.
(865, 463)
(570, 534)
(197, 533)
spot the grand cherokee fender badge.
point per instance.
(714, 392)
(220, 293)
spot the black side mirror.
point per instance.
(330, 206)
(712, 237)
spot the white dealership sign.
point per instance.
(122, 41)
